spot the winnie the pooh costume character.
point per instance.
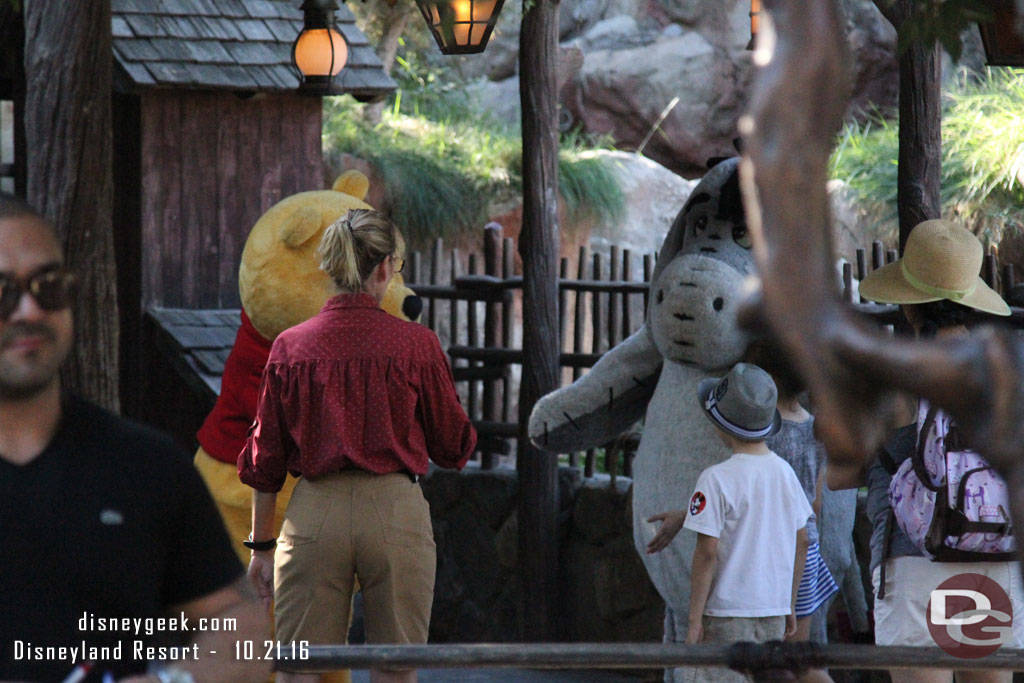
(281, 285)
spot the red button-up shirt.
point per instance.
(354, 387)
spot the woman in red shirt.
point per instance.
(354, 401)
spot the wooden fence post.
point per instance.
(508, 258)
(614, 308)
(492, 326)
(472, 339)
(435, 277)
(538, 246)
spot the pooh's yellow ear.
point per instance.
(353, 183)
(299, 228)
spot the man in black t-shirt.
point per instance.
(113, 555)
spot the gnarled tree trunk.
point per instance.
(68, 60)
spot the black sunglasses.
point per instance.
(52, 288)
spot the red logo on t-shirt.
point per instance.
(697, 503)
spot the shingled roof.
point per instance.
(240, 45)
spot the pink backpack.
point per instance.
(948, 500)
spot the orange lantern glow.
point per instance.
(755, 20)
(320, 51)
(460, 26)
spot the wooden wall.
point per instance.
(212, 164)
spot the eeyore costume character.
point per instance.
(690, 333)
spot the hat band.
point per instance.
(712, 407)
(951, 294)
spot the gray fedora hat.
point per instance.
(742, 403)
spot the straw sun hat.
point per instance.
(940, 261)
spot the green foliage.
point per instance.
(443, 176)
(983, 156)
(943, 21)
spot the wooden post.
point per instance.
(415, 266)
(597, 300)
(538, 247)
(508, 257)
(453, 317)
(919, 169)
(492, 326)
(877, 255)
(862, 267)
(69, 143)
(627, 304)
(614, 309)
(580, 318)
(472, 340)
(435, 277)
(648, 270)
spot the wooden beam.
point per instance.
(919, 171)
(69, 149)
(538, 248)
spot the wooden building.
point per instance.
(209, 133)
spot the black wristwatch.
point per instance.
(260, 545)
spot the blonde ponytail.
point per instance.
(353, 245)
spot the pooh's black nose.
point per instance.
(412, 306)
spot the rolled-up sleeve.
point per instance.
(449, 433)
(263, 462)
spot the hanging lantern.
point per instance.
(460, 27)
(320, 51)
(755, 18)
(1004, 46)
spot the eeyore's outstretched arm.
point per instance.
(603, 403)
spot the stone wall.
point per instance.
(605, 590)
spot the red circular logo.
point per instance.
(697, 503)
(970, 616)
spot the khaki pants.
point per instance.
(355, 524)
(234, 502)
(733, 630)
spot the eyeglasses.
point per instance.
(52, 288)
(399, 263)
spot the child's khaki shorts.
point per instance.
(355, 523)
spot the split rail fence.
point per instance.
(602, 301)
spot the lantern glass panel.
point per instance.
(313, 52)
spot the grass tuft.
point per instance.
(982, 157)
(444, 174)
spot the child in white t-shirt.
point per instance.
(749, 513)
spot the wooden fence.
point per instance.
(477, 313)
(603, 300)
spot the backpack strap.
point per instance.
(917, 459)
(890, 518)
(886, 461)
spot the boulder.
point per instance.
(639, 56)
(872, 41)
(622, 92)
(654, 195)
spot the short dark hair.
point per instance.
(941, 314)
(15, 207)
(769, 355)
